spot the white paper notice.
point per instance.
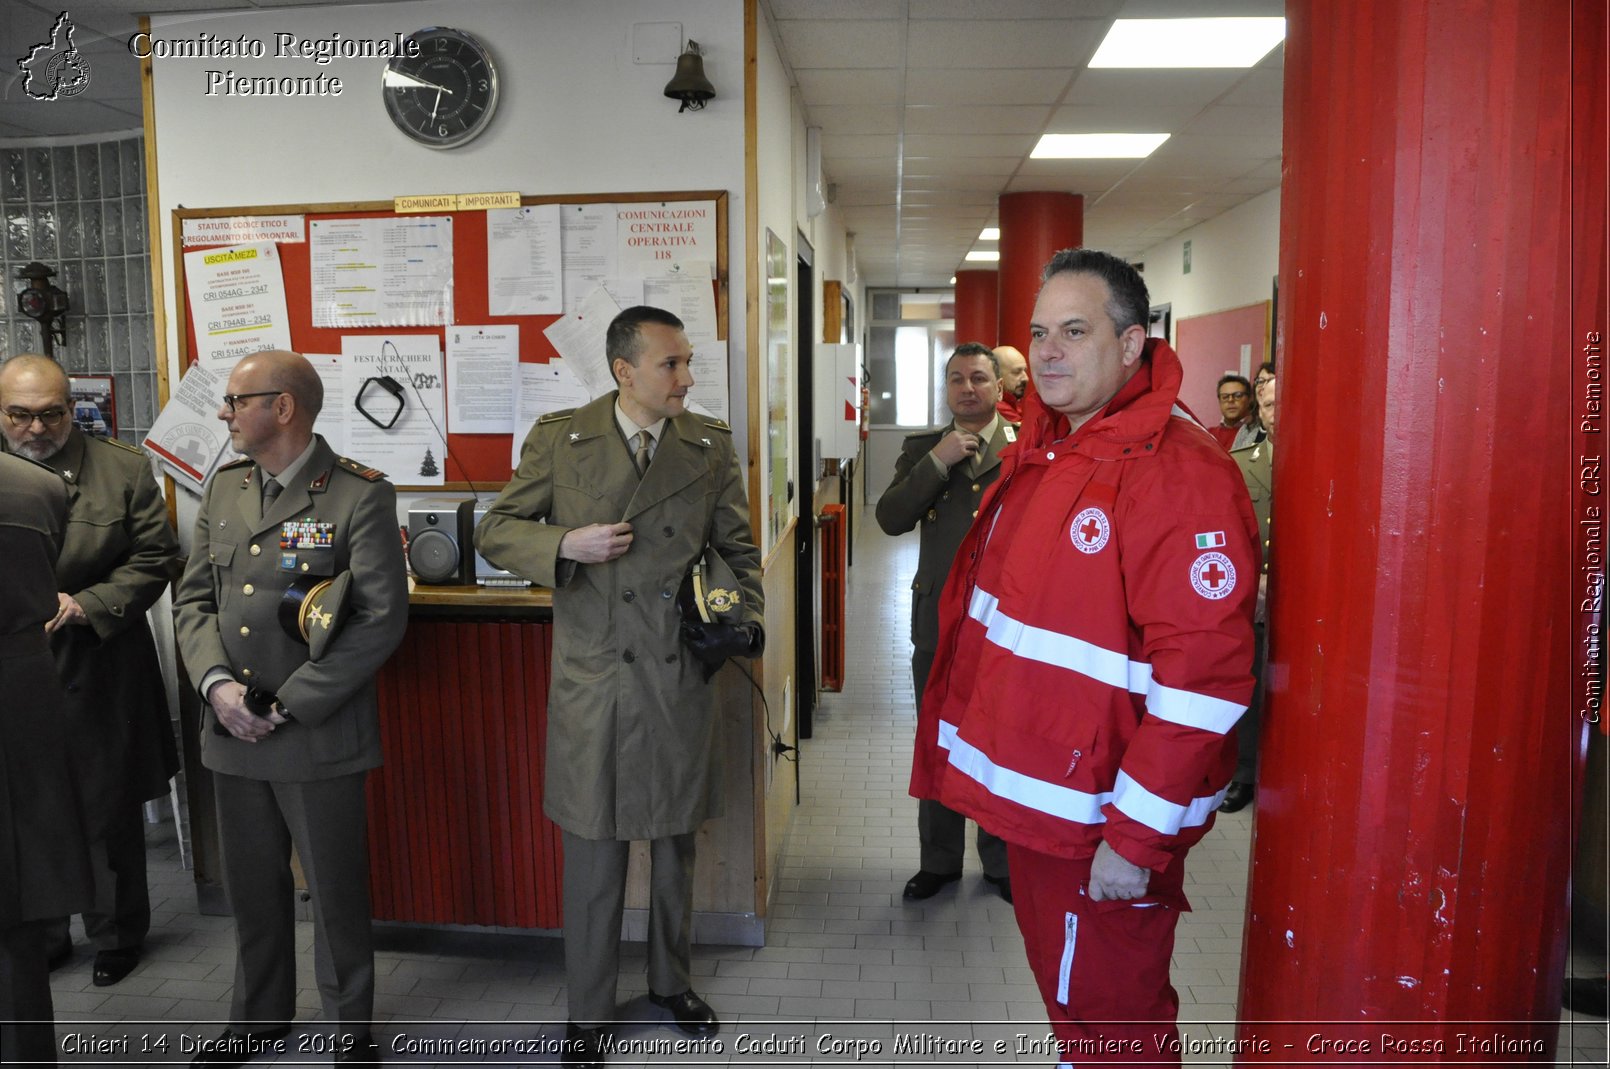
(589, 249)
(543, 388)
(524, 261)
(237, 297)
(692, 299)
(382, 272)
(188, 436)
(413, 451)
(579, 338)
(334, 415)
(480, 377)
(666, 238)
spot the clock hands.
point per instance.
(408, 81)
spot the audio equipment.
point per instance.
(487, 573)
(438, 535)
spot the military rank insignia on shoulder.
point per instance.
(121, 444)
(242, 462)
(555, 417)
(362, 471)
(716, 424)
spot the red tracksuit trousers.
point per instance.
(1102, 967)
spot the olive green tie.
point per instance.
(641, 457)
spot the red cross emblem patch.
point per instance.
(1090, 531)
(1213, 576)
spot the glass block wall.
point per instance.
(80, 208)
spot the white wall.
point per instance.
(775, 135)
(576, 115)
(1234, 259)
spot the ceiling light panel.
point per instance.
(1097, 146)
(1154, 43)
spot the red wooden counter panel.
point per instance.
(456, 831)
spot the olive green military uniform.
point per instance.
(44, 853)
(304, 782)
(943, 505)
(1257, 464)
(119, 556)
(632, 730)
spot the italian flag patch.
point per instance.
(1210, 540)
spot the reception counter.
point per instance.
(456, 829)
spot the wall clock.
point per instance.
(445, 95)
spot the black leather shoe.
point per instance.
(584, 1047)
(692, 1014)
(926, 884)
(112, 965)
(60, 955)
(1237, 798)
(363, 1050)
(1002, 884)
(237, 1048)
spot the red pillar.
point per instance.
(1033, 227)
(977, 307)
(1412, 847)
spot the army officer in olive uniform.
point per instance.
(939, 480)
(1257, 464)
(42, 839)
(632, 488)
(290, 513)
(119, 556)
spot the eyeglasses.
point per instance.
(1263, 380)
(21, 417)
(1239, 395)
(233, 400)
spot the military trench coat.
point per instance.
(632, 725)
(44, 852)
(119, 557)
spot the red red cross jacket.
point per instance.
(1096, 633)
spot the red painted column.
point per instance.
(1412, 846)
(1033, 227)
(977, 307)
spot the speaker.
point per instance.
(439, 548)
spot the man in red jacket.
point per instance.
(1095, 653)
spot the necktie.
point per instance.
(271, 490)
(641, 457)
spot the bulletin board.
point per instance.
(476, 459)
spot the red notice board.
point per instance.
(478, 458)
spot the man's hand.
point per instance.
(955, 447)
(68, 611)
(596, 543)
(1112, 877)
(228, 701)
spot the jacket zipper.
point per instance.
(1070, 934)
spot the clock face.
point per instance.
(444, 96)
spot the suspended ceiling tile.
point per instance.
(1122, 88)
(836, 10)
(986, 183)
(1013, 9)
(845, 146)
(1263, 87)
(1154, 118)
(835, 44)
(1020, 119)
(935, 85)
(971, 44)
(1236, 122)
(940, 166)
(821, 88)
(843, 119)
(964, 145)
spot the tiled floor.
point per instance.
(851, 974)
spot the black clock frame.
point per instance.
(456, 65)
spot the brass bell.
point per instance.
(689, 84)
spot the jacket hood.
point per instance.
(1133, 420)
